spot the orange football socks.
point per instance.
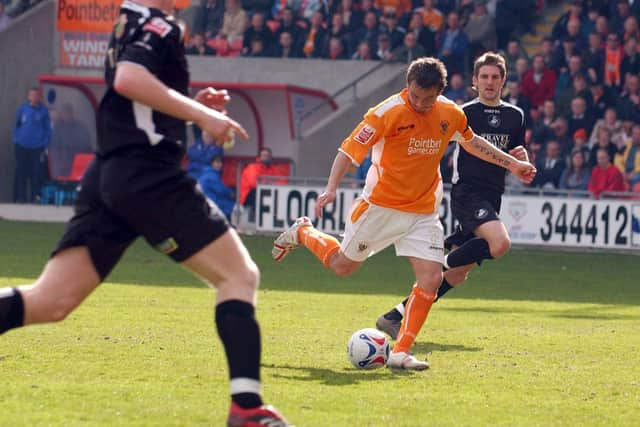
(415, 314)
(320, 244)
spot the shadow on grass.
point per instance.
(335, 377)
(429, 347)
(598, 312)
(522, 275)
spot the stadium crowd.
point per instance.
(580, 91)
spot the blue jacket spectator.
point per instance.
(31, 137)
(455, 43)
(201, 153)
(212, 186)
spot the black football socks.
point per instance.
(11, 309)
(240, 335)
(473, 251)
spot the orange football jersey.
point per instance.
(406, 150)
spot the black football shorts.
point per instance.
(471, 207)
(131, 194)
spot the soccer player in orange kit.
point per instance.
(408, 134)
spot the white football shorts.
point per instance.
(372, 228)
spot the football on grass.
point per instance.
(368, 349)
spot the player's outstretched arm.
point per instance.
(135, 82)
(520, 153)
(340, 166)
(483, 149)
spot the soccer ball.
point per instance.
(368, 349)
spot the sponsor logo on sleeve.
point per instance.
(158, 26)
(365, 134)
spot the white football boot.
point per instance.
(288, 239)
(402, 360)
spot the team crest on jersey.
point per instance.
(365, 134)
(481, 213)
(362, 246)
(494, 120)
(444, 125)
(158, 26)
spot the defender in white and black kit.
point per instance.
(477, 185)
(136, 187)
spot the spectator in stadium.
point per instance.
(631, 61)
(314, 39)
(286, 47)
(514, 96)
(396, 7)
(549, 166)
(605, 176)
(201, 153)
(576, 176)
(68, 138)
(575, 12)
(563, 52)
(593, 57)
(235, 20)
(456, 90)
(611, 122)
(629, 161)
(432, 17)
(209, 18)
(561, 135)
(539, 83)
(376, 222)
(369, 32)
(631, 30)
(565, 77)
(603, 143)
(455, 43)
(287, 23)
(384, 48)
(580, 143)
(481, 30)
(574, 33)
(389, 25)
(338, 30)
(4, 18)
(512, 53)
(580, 117)
(363, 52)
(263, 166)
(257, 30)
(578, 88)
(31, 137)
(628, 102)
(409, 50)
(210, 181)
(425, 37)
(522, 66)
(336, 49)
(352, 18)
(256, 48)
(197, 46)
(613, 54)
(547, 50)
(602, 27)
(542, 128)
(601, 99)
(621, 13)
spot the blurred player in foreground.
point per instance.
(408, 134)
(478, 185)
(136, 187)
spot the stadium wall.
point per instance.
(26, 51)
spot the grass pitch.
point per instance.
(536, 339)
